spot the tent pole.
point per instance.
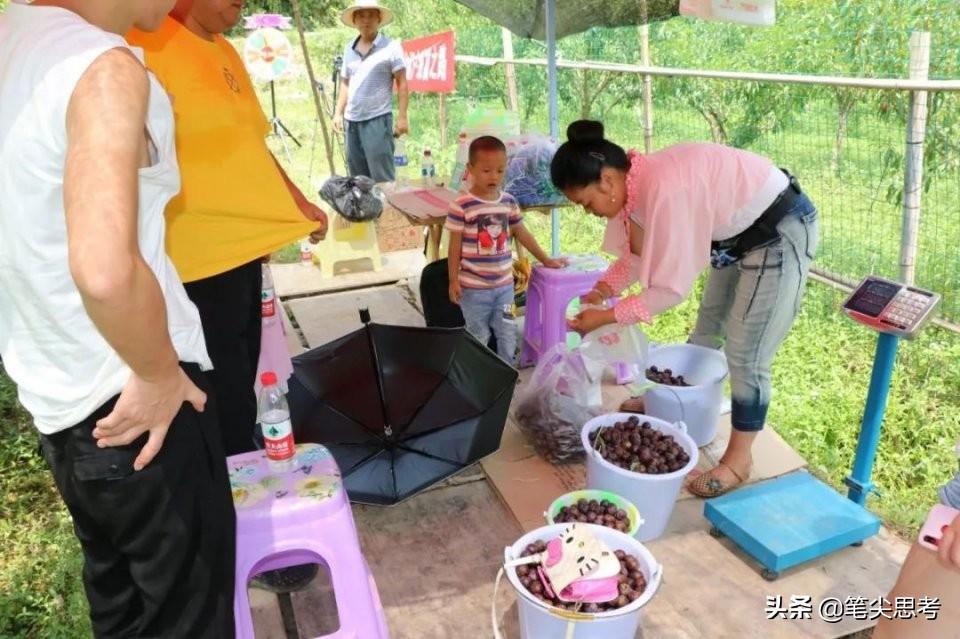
(551, 28)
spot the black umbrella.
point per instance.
(400, 407)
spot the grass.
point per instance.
(41, 594)
(820, 375)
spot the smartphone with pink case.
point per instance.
(932, 530)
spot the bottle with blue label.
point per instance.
(400, 159)
(427, 170)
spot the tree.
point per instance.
(596, 90)
(737, 112)
(857, 38)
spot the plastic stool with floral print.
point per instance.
(296, 517)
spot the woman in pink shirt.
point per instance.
(672, 213)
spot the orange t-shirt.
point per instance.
(233, 206)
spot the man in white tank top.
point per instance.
(95, 327)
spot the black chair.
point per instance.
(438, 310)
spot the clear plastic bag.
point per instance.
(561, 396)
(616, 344)
(528, 171)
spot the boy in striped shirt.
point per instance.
(480, 262)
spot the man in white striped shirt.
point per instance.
(372, 63)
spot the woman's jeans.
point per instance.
(748, 308)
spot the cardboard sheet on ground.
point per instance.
(528, 484)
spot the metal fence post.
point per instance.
(510, 71)
(550, 11)
(647, 79)
(647, 90)
(913, 157)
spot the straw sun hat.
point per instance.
(386, 15)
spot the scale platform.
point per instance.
(787, 521)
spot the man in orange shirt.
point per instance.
(236, 203)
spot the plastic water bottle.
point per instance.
(306, 252)
(268, 298)
(427, 170)
(400, 160)
(400, 152)
(275, 423)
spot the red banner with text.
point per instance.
(431, 67)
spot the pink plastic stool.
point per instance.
(548, 295)
(297, 517)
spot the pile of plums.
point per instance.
(639, 447)
(603, 513)
(666, 377)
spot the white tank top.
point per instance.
(63, 367)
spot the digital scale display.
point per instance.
(890, 307)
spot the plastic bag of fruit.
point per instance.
(562, 395)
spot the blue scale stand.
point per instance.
(795, 518)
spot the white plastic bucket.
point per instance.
(540, 621)
(697, 405)
(653, 495)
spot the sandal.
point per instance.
(706, 485)
(632, 405)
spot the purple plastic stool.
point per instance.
(548, 295)
(297, 517)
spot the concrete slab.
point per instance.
(297, 279)
(291, 333)
(434, 559)
(315, 607)
(325, 318)
(267, 619)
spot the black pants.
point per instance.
(229, 306)
(158, 544)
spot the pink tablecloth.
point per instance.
(423, 203)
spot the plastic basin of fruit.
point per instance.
(697, 405)
(633, 515)
(540, 621)
(653, 495)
